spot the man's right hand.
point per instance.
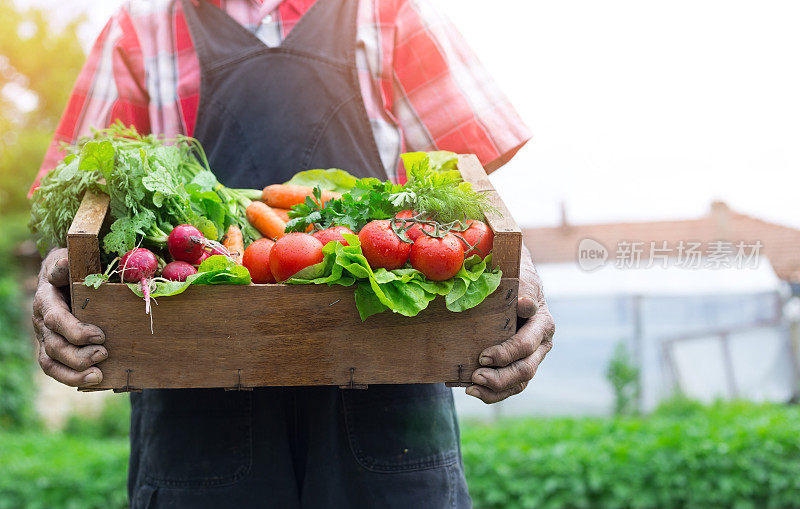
(68, 349)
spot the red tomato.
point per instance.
(292, 253)
(415, 230)
(438, 259)
(256, 259)
(478, 233)
(332, 234)
(382, 247)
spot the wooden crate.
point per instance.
(240, 337)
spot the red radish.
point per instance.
(178, 271)
(217, 249)
(139, 266)
(185, 243)
(201, 259)
(332, 234)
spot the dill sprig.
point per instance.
(443, 195)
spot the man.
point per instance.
(270, 88)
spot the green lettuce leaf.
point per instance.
(332, 179)
(404, 291)
(215, 270)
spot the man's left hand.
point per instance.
(509, 366)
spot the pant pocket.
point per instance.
(396, 428)
(143, 497)
(194, 438)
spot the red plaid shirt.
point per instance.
(423, 87)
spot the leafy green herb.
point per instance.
(154, 184)
(404, 291)
(434, 187)
(439, 190)
(369, 199)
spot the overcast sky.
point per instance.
(639, 109)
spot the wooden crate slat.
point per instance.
(274, 335)
(507, 248)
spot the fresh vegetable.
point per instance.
(202, 258)
(404, 291)
(332, 234)
(185, 243)
(154, 184)
(138, 266)
(256, 259)
(292, 253)
(370, 199)
(216, 270)
(234, 243)
(414, 230)
(438, 258)
(434, 187)
(332, 180)
(477, 239)
(283, 214)
(265, 220)
(178, 271)
(382, 247)
(285, 196)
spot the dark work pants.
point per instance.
(310, 447)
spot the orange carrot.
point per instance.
(282, 213)
(234, 243)
(265, 220)
(284, 196)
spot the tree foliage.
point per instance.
(623, 375)
(38, 67)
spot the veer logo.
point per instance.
(591, 255)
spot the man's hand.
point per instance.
(513, 363)
(67, 348)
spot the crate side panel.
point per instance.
(275, 335)
(507, 248)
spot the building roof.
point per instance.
(780, 244)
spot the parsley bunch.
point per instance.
(434, 189)
(369, 199)
(154, 184)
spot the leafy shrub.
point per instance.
(623, 375)
(729, 455)
(16, 354)
(51, 471)
(113, 422)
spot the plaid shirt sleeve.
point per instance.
(110, 86)
(443, 98)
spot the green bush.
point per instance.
(113, 422)
(16, 354)
(52, 471)
(729, 455)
